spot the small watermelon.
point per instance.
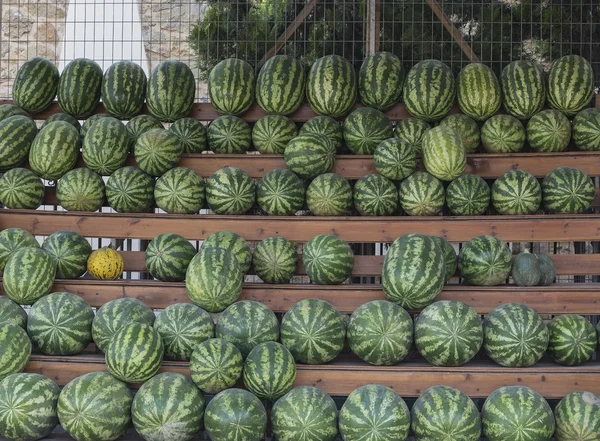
(106, 146)
(327, 126)
(89, 122)
(444, 153)
(70, 251)
(503, 134)
(13, 239)
(421, 194)
(429, 90)
(572, 340)
(468, 195)
(272, 133)
(171, 90)
(230, 191)
(380, 80)
(28, 275)
(130, 190)
(365, 128)
(141, 124)
(157, 151)
(35, 85)
(309, 155)
(331, 87)
(229, 134)
(586, 130)
(395, 159)
(570, 84)
(523, 89)
(467, 129)
(191, 134)
(54, 150)
(412, 131)
(80, 87)
(10, 312)
(15, 349)
(8, 110)
(280, 193)
(180, 191)
(16, 136)
(328, 260)
(478, 91)
(20, 188)
(269, 371)
(233, 242)
(578, 417)
(63, 117)
(81, 189)
(231, 86)
(275, 260)
(485, 261)
(235, 415)
(566, 190)
(450, 257)
(516, 192)
(216, 365)
(280, 85)
(168, 256)
(549, 131)
(124, 89)
(329, 195)
(375, 195)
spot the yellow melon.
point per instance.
(105, 264)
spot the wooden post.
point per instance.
(373, 26)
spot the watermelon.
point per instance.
(305, 414)
(467, 129)
(309, 155)
(375, 195)
(374, 412)
(229, 134)
(10, 312)
(233, 242)
(325, 125)
(380, 333)
(275, 260)
(130, 190)
(116, 313)
(570, 84)
(141, 124)
(448, 333)
(13, 239)
(517, 413)
(95, 406)
(191, 134)
(15, 349)
(16, 136)
(230, 191)
(478, 91)
(35, 85)
(566, 190)
(586, 130)
(80, 190)
(444, 153)
(21, 189)
(175, 417)
(171, 90)
(28, 407)
(157, 151)
(380, 80)
(124, 89)
(272, 133)
(269, 371)
(331, 87)
(468, 195)
(421, 194)
(8, 110)
(549, 131)
(216, 365)
(365, 128)
(516, 192)
(526, 269)
(70, 251)
(180, 191)
(523, 89)
(54, 150)
(450, 257)
(246, 324)
(214, 279)
(28, 275)
(63, 117)
(429, 90)
(235, 415)
(395, 159)
(514, 335)
(60, 324)
(578, 417)
(485, 261)
(182, 327)
(329, 195)
(280, 85)
(280, 193)
(89, 122)
(328, 260)
(80, 87)
(105, 146)
(231, 86)
(442, 412)
(168, 256)
(412, 131)
(572, 340)
(503, 134)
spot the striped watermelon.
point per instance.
(375, 195)
(412, 131)
(523, 89)
(15, 349)
(20, 188)
(216, 365)
(280, 193)
(116, 313)
(365, 128)
(578, 417)
(448, 333)
(235, 415)
(478, 91)
(80, 87)
(380, 333)
(328, 260)
(549, 131)
(105, 146)
(570, 84)
(421, 195)
(395, 159)
(89, 122)
(168, 256)
(16, 136)
(80, 190)
(28, 407)
(429, 90)
(442, 412)
(331, 87)
(70, 251)
(60, 324)
(380, 80)
(8, 110)
(13, 239)
(169, 407)
(325, 125)
(516, 192)
(54, 150)
(28, 275)
(272, 133)
(309, 155)
(468, 195)
(246, 324)
(314, 331)
(95, 406)
(182, 327)
(124, 89)
(444, 153)
(450, 257)
(233, 242)
(566, 190)
(586, 130)
(180, 191)
(62, 117)
(275, 260)
(229, 134)
(467, 129)
(280, 85)
(517, 413)
(372, 413)
(10, 312)
(157, 151)
(35, 85)
(329, 195)
(231, 86)
(130, 190)
(269, 371)
(171, 90)
(191, 134)
(572, 340)
(485, 261)
(230, 191)
(503, 134)
(514, 335)
(141, 124)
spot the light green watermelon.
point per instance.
(570, 84)
(444, 153)
(572, 339)
(275, 260)
(467, 129)
(81, 189)
(10, 312)
(485, 261)
(421, 194)
(28, 275)
(15, 349)
(180, 191)
(230, 191)
(411, 131)
(216, 365)
(578, 417)
(269, 371)
(328, 260)
(233, 242)
(516, 192)
(503, 134)
(329, 195)
(478, 91)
